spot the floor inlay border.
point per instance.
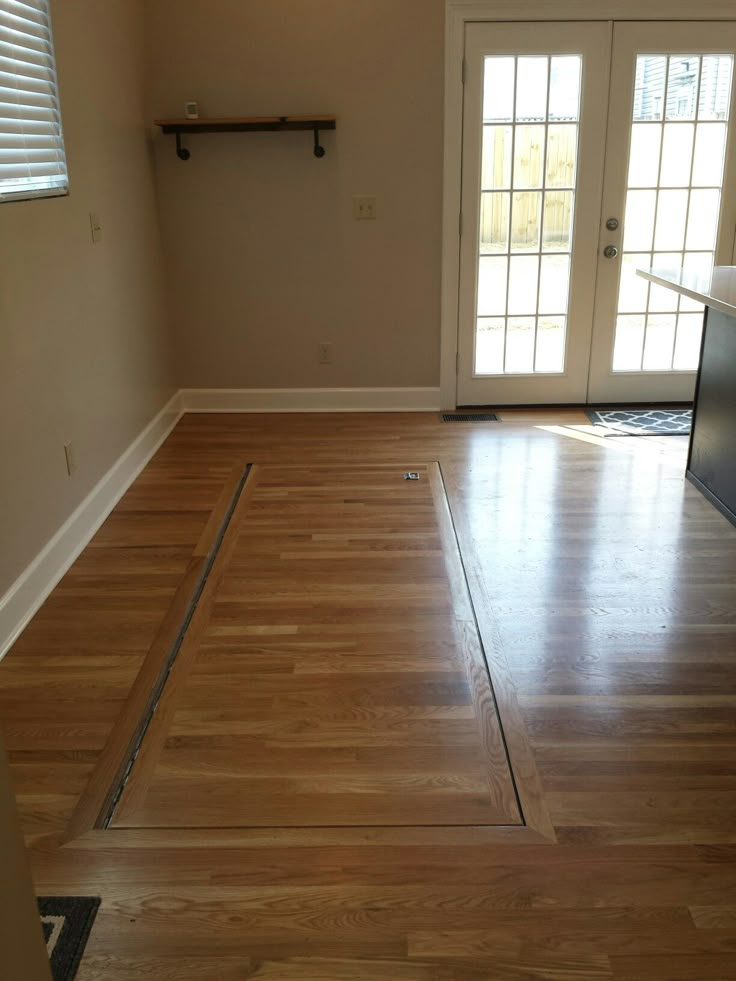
(460, 569)
(96, 805)
(158, 688)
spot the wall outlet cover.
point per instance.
(95, 226)
(71, 463)
(365, 207)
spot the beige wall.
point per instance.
(264, 256)
(83, 337)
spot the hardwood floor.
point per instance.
(331, 676)
(604, 590)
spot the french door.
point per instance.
(590, 150)
(672, 99)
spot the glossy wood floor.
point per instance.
(604, 591)
(331, 677)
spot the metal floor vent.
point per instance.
(470, 417)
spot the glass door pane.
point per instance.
(535, 101)
(678, 135)
(531, 115)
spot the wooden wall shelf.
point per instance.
(247, 124)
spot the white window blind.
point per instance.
(32, 158)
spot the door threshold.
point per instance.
(493, 406)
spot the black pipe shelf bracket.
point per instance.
(181, 151)
(247, 124)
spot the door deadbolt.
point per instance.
(612, 224)
(610, 252)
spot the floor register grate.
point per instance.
(470, 417)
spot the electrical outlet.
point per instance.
(71, 463)
(365, 207)
(324, 352)
(95, 227)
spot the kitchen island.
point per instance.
(711, 464)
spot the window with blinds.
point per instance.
(32, 158)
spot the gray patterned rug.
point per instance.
(655, 421)
(66, 922)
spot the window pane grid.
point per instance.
(687, 225)
(538, 261)
(680, 116)
(509, 245)
(531, 108)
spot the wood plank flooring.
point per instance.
(337, 676)
(604, 587)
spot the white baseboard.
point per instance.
(310, 399)
(35, 583)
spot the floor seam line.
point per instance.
(158, 688)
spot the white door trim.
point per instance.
(457, 14)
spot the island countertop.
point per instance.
(711, 463)
(715, 288)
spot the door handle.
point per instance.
(610, 252)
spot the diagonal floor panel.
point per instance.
(333, 674)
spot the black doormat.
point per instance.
(654, 421)
(66, 921)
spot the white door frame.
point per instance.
(458, 13)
